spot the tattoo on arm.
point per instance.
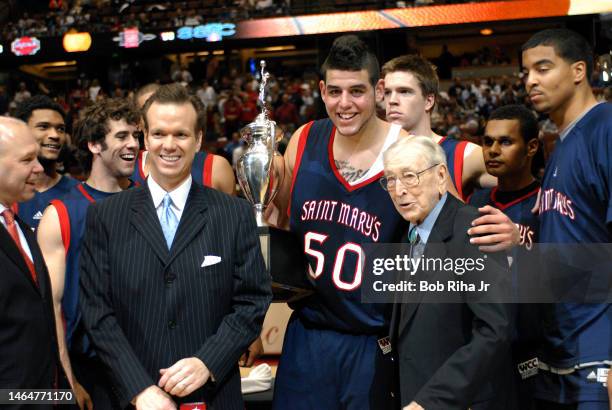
(348, 172)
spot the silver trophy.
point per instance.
(255, 170)
(259, 179)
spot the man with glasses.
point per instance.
(465, 368)
(341, 339)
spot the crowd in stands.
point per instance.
(231, 102)
(101, 16)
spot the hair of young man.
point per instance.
(419, 67)
(146, 89)
(349, 53)
(37, 102)
(568, 45)
(179, 95)
(528, 124)
(94, 126)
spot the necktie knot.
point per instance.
(413, 235)
(167, 202)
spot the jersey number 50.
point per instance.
(319, 257)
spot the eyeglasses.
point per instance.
(408, 179)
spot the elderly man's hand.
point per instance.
(153, 398)
(184, 377)
(497, 230)
(413, 406)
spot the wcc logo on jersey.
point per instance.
(528, 368)
(344, 214)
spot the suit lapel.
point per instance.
(440, 234)
(10, 248)
(192, 221)
(145, 220)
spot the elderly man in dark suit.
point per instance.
(173, 283)
(28, 344)
(449, 353)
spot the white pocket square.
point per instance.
(210, 260)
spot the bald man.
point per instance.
(28, 343)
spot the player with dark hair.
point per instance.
(575, 207)
(411, 87)
(509, 146)
(333, 330)
(335, 348)
(47, 121)
(106, 144)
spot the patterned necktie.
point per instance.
(413, 235)
(416, 247)
(169, 221)
(11, 227)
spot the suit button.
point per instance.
(171, 324)
(169, 278)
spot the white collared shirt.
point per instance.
(178, 196)
(22, 239)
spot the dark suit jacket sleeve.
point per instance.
(99, 317)
(252, 296)
(457, 381)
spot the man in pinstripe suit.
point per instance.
(173, 283)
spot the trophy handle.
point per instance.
(277, 176)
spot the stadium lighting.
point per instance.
(75, 42)
(167, 36)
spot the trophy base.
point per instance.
(285, 261)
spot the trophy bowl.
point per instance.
(259, 179)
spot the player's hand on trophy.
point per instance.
(493, 231)
(254, 351)
(153, 398)
(184, 377)
(272, 215)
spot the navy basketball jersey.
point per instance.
(518, 205)
(455, 150)
(201, 169)
(518, 210)
(72, 211)
(333, 220)
(576, 207)
(31, 211)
